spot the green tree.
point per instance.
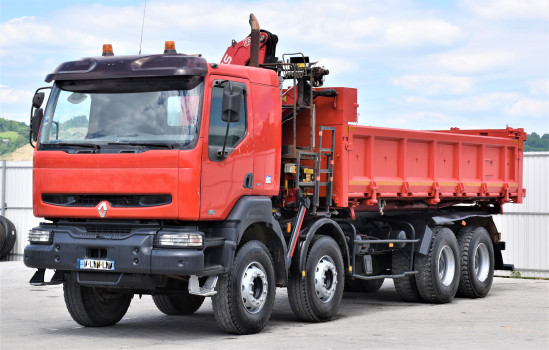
(535, 143)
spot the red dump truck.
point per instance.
(170, 176)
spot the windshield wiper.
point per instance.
(146, 144)
(65, 144)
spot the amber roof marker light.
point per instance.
(107, 50)
(169, 47)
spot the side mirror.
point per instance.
(232, 101)
(38, 99)
(35, 122)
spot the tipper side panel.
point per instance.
(435, 167)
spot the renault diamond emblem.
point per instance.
(102, 210)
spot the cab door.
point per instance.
(227, 172)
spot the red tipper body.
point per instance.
(434, 167)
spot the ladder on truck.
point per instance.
(321, 153)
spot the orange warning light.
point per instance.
(107, 50)
(169, 47)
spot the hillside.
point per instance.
(22, 153)
(13, 135)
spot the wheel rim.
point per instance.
(481, 262)
(446, 265)
(254, 287)
(325, 279)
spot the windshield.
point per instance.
(109, 114)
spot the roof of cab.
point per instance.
(130, 67)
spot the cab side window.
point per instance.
(218, 127)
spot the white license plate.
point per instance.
(92, 264)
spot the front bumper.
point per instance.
(132, 253)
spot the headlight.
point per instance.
(37, 236)
(174, 239)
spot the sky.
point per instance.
(431, 64)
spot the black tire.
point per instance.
(2, 237)
(10, 236)
(94, 306)
(406, 287)
(364, 286)
(438, 271)
(252, 271)
(321, 302)
(477, 262)
(184, 304)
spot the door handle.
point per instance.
(249, 180)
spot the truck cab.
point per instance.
(148, 169)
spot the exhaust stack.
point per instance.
(254, 45)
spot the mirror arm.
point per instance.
(56, 130)
(222, 154)
(30, 128)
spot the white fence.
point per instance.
(16, 197)
(523, 226)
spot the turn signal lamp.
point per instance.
(107, 50)
(179, 240)
(40, 236)
(169, 47)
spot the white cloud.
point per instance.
(435, 85)
(509, 9)
(15, 96)
(474, 62)
(540, 87)
(474, 103)
(421, 32)
(530, 107)
(402, 120)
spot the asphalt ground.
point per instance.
(515, 315)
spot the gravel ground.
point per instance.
(515, 315)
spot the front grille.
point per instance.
(115, 200)
(108, 229)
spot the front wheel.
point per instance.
(477, 262)
(94, 306)
(438, 271)
(316, 297)
(245, 297)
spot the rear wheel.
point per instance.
(406, 286)
(183, 304)
(477, 262)
(317, 296)
(438, 271)
(94, 306)
(245, 297)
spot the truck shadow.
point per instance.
(154, 327)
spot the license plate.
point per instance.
(92, 264)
